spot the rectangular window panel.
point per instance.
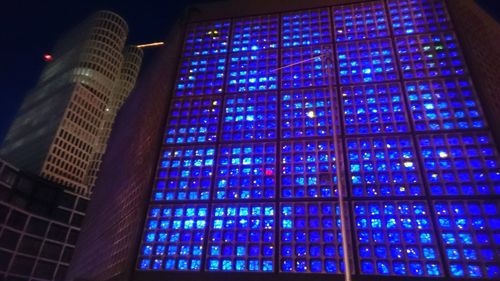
(250, 117)
(193, 120)
(173, 238)
(444, 104)
(207, 38)
(310, 238)
(360, 21)
(255, 71)
(383, 166)
(460, 164)
(366, 61)
(246, 171)
(470, 232)
(418, 16)
(305, 28)
(200, 76)
(185, 173)
(255, 33)
(377, 108)
(242, 238)
(396, 238)
(308, 169)
(429, 55)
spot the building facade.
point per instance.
(238, 175)
(61, 129)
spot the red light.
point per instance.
(47, 57)
(269, 172)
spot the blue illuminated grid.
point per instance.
(193, 120)
(184, 173)
(360, 21)
(207, 38)
(418, 16)
(460, 164)
(173, 238)
(200, 76)
(255, 71)
(366, 61)
(383, 166)
(428, 55)
(470, 231)
(396, 238)
(306, 28)
(377, 108)
(255, 33)
(309, 73)
(311, 240)
(444, 104)
(308, 169)
(306, 113)
(250, 117)
(246, 171)
(242, 237)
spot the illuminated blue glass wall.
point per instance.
(246, 178)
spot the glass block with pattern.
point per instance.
(241, 238)
(250, 117)
(200, 76)
(308, 169)
(173, 238)
(444, 104)
(470, 234)
(193, 120)
(396, 238)
(310, 238)
(366, 61)
(360, 21)
(418, 16)
(429, 55)
(460, 164)
(207, 38)
(303, 67)
(246, 171)
(304, 28)
(375, 108)
(383, 166)
(255, 71)
(255, 33)
(184, 173)
(306, 113)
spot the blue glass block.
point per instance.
(360, 21)
(303, 67)
(252, 72)
(287, 265)
(410, 17)
(255, 34)
(200, 76)
(145, 264)
(305, 28)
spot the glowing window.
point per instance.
(255, 34)
(200, 76)
(207, 39)
(360, 21)
(418, 16)
(251, 72)
(306, 28)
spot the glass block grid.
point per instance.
(303, 67)
(396, 238)
(185, 173)
(242, 238)
(256, 71)
(305, 28)
(470, 231)
(460, 164)
(200, 76)
(310, 237)
(246, 171)
(207, 38)
(418, 16)
(377, 108)
(383, 166)
(193, 120)
(426, 55)
(255, 33)
(250, 117)
(444, 104)
(366, 61)
(306, 113)
(360, 21)
(173, 238)
(308, 169)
